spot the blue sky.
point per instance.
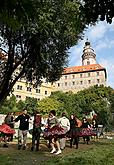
(101, 37)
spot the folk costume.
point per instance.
(53, 129)
(74, 132)
(5, 133)
(65, 124)
(37, 123)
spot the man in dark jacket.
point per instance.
(23, 129)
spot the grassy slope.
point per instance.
(98, 153)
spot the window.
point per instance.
(29, 89)
(45, 92)
(89, 81)
(88, 74)
(73, 76)
(19, 87)
(81, 75)
(88, 62)
(18, 96)
(65, 77)
(37, 90)
(81, 82)
(65, 83)
(73, 83)
(58, 85)
(27, 97)
(97, 73)
(98, 80)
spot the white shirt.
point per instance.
(64, 122)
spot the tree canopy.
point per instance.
(98, 9)
(35, 38)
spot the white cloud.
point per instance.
(109, 65)
(97, 32)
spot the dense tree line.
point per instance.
(99, 99)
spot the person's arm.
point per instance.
(68, 125)
(17, 119)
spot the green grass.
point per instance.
(97, 153)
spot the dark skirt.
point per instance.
(81, 132)
(74, 132)
(54, 132)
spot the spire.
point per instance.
(89, 56)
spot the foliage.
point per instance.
(9, 105)
(98, 9)
(36, 36)
(97, 98)
(47, 104)
(31, 104)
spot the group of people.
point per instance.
(55, 130)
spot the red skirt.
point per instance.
(87, 132)
(54, 132)
(6, 129)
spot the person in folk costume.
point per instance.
(74, 131)
(9, 121)
(23, 129)
(37, 124)
(53, 132)
(65, 124)
(86, 124)
(94, 126)
(6, 130)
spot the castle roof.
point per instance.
(84, 68)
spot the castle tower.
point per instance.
(89, 56)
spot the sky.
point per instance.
(101, 37)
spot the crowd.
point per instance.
(55, 131)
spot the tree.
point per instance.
(98, 9)
(10, 105)
(35, 38)
(47, 104)
(31, 104)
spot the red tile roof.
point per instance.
(84, 68)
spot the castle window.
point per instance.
(18, 96)
(88, 62)
(88, 74)
(73, 76)
(73, 83)
(45, 92)
(97, 73)
(98, 80)
(29, 89)
(19, 87)
(65, 83)
(81, 82)
(89, 81)
(81, 75)
(58, 85)
(37, 90)
(65, 77)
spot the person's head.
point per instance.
(52, 113)
(63, 114)
(24, 111)
(84, 120)
(72, 116)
